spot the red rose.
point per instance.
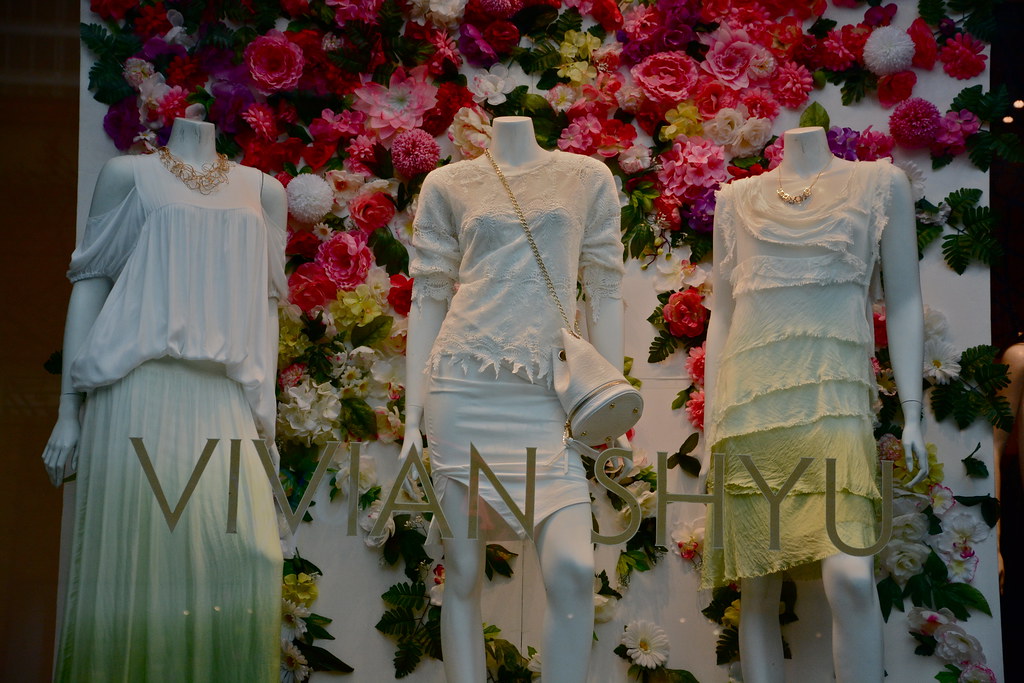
(926, 49)
(371, 211)
(503, 36)
(400, 294)
(302, 243)
(895, 88)
(451, 97)
(309, 287)
(317, 154)
(606, 13)
(275, 63)
(685, 313)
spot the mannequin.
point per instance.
(139, 328)
(848, 580)
(562, 538)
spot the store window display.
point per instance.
(481, 333)
(171, 340)
(789, 368)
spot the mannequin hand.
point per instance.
(915, 453)
(413, 440)
(63, 444)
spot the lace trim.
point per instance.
(599, 287)
(536, 369)
(436, 286)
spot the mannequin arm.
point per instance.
(87, 299)
(605, 324)
(905, 319)
(274, 200)
(425, 318)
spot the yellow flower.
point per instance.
(578, 43)
(292, 342)
(684, 121)
(731, 617)
(354, 307)
(299, 589)
(901, 476)
(578, 72)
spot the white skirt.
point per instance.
(148, 604)
(502, 416)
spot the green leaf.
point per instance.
(534, 21)
(549, 79)
(981, 149)
(919, 590)
(498, 560)
(814, 115)
(968, 98)
(388, 252)
(398, 621)
(958, 597)
(951, 674)
(662, 347)
(681, 398)
(820, 28)
(570, 20)
(606, 586)
(727, 649)
(409, 595)
(106, 80)
(320, 659)
(974, 467)
(926, 644)
(407, 657)
(317, 631)
(932, 11)
(373, 332)
(989, 507)
(935, 568)
(358, 418)
(889, 595)
(926, 234)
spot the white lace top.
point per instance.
(470, 250)
(195, 277)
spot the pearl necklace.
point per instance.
(205, 181)
(803, 196)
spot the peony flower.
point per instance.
(941, 361)
(695, 364)
(685, 313)
(293, 620)
(925, 621)
(750, 138)
(975, 673)
(309, 197)
(961, 56)
(371, 210)
(294, 667)
(470, 131)
(275, 63)
(309, 287)
(955, 646)
(903, 559)
(695, 410)
(731, 56)
(914, 123)
(724, 128)
(760, 103)
(888, 50)
(666, 77)
(345, 258)
(492, 85)
(646, 644)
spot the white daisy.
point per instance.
(941, 361)
(646, 643)
(294, 667)
(293, 620)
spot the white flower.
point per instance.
(955, 646)
(535, 665)
(137, 70)
(369, 520)
(689, 539)
(888, 50)
(635, 159)
(309, 411)
(470, 131)
(962, 568)
(630, 97)
(961, 531)
(904, 559)
(367, 473)
(447, 12)
(942, 499)
(910, 527)
(562, 96)
(605, 607)
(346, 186)
(916, 177)
(294, 667)
(491, 86)
(935, 324)
(750, 137)
(941, 361)
(973, 673)
(724, 128)
(935, 217)
(645, 497)
(761, 65)
(925, 621)
(309, 197)
(293, 620)
(646, 643)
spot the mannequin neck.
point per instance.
(194, 142)
(806, 152)
(513, 142)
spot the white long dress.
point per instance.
(183, 351)
(490, 384)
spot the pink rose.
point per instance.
(685, 313)
(666, 77)
(275, 63)
(371, 211)
(309, 287)
(345, 258)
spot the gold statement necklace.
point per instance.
(205, 181)
(803, 196)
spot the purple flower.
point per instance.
(156, 47)
(474, 48)
(121, 122)
(701, 214)
(843, 142)
(230, 100)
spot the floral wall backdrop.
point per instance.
(351, 102)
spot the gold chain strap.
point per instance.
(573, 327)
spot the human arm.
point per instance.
(905, 317)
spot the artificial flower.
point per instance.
(689, 539)
(294, 666)
(309, 286)
(369, 520)
(685, 313)
(300, 588)
(695, 409)
(888, 50)
(926, 50)
(903, 559)
(371, 211)
(293, 619)
(646, 643)
(976, 673)
(399, 106)
(941, 498)
(275, 63)
(695, 364)
(912, 526)
(925, 621)
(470, 131)
(954, 129)
(895, 88)
(309, 197)
(962, 56)
(955, 646)
(308, 413)
(914, 123)
(941, 361)
(666, 77)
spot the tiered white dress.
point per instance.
(183, 351)
(490, 366)
(795, 378)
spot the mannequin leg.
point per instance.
(567, 565)
(462, 637)
(761, 655)
(856, 621)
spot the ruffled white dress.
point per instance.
(183, 351)
(795, 377)
(490, 367)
